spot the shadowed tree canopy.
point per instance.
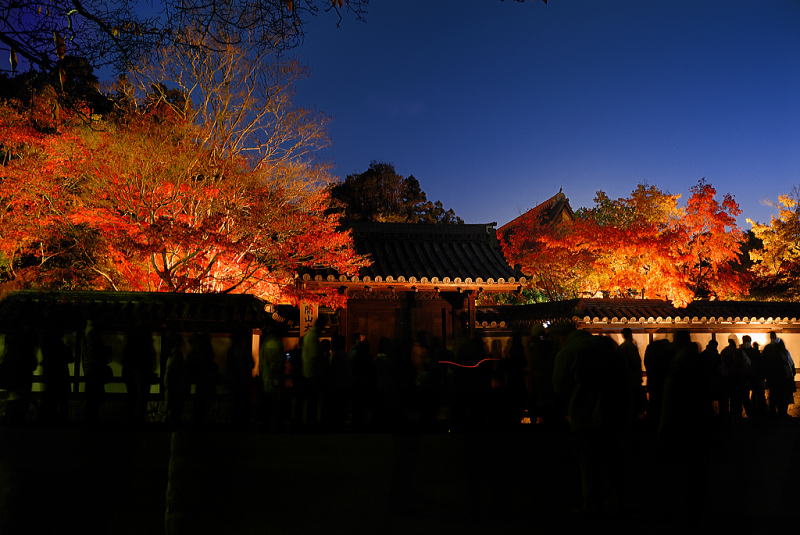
(121, 33)
(70, 83)
(381, 194)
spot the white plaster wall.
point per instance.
(702, 340)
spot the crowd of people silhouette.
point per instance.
(601, 395)
(558, 376)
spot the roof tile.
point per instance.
(431, 250)
(638, 308)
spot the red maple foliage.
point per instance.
(141, 204)
(644, 245)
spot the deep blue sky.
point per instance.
(495, 105)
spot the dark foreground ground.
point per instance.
(71, 479)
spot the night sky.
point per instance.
(495, 105)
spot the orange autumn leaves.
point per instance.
(139, 204)
(643, 245)
(776, 263)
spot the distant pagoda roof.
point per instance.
(421, 254)
(552, 211)
(646, 313)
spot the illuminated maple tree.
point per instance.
(165, 195)
(643, 245)
(712, 244)
(39, 174)
(776, 260)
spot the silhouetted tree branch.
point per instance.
(120, 33)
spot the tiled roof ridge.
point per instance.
(647, 309)
(415, 229)
(123, 295)
(436, 254)
(113, 306)
(598, 302)
(537, 210)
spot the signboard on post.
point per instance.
(308, 316)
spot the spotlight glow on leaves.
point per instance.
(144, 201)
(645, 244)
(776, 263)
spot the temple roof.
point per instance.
(643, 311)
(549, 212)
(428, 254)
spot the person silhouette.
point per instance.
(632, 360)
(176, 385)
(779, 376)
(240, 376)
(315, 371)
(542, 351)
(657, 360)
(95, 356)
(138, 362)
(712, 364)
(737, 363)
(756, 380)
(202, 372)
(363, 370)
(341, 384)
(19, 362)
(56, 357)
(683, 430)
(270, 364)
